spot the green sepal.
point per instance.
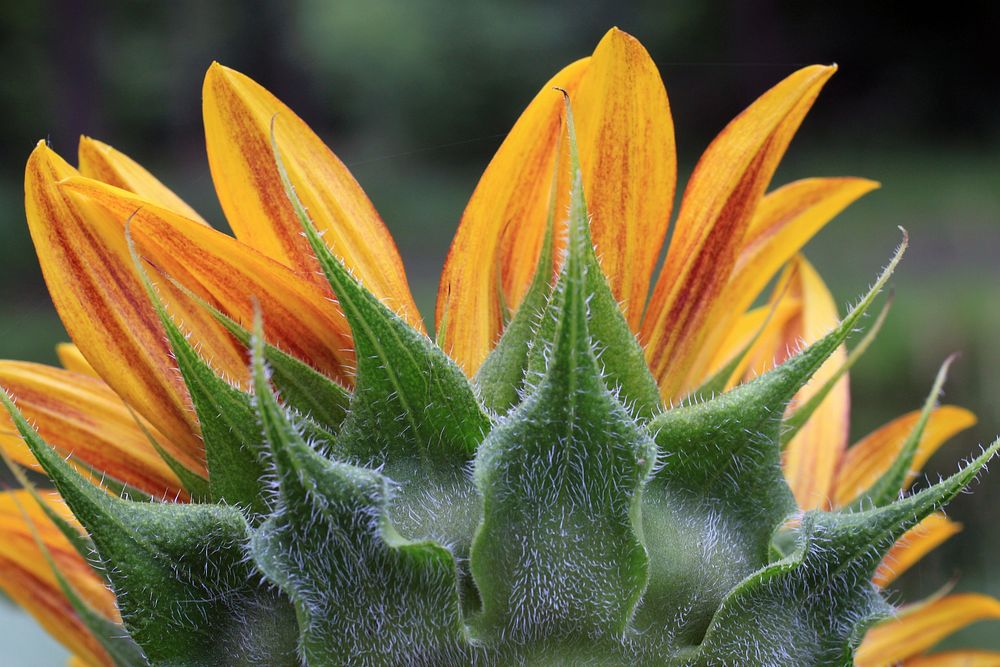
(228, 428)
(812, 607)
(410, 400)
(310, 392)
(713, 505)
(795, 422)
(362, 593)
(621, 357)
(112, 636)
(558, 557)
(186, 593)
(892, 482)
(500, 379)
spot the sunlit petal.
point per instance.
(89, 273)
(238, 114)
(718, 205)
(103, 163)
(502, 227)
(82, 416)
(783, 223)
(298, 315)
(921, 626)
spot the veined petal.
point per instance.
(914, 545)
(238, 115)
(812, 456)
(783, 223)
(89, 273)
(229, 274)
(103, 163)
(628, 162)
(718, 204)
(502, 228)
(81, 415)
(919, 627)
(872, 456)
(956, 659)
(72, 359)
(27, 577)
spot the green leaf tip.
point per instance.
(363, 594)
(410, 399)
(225, 414)
(813, 606)
(561, 477)
(720, 482)
(893, 481)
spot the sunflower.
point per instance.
(122, 414)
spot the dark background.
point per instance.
(416, 95)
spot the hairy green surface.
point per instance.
(550, 511)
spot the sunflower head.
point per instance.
(268, 461)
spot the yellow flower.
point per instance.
(120, 389)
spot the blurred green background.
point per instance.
(415, 96)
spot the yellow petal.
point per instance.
(918, 628)
(89, 273)
(502, 227)
(873, 455)
(103, 163)
(629, 165)
(914, 545)
(238, 115)
(80, 415)
(812, 456)
(27, 577)
(956, 659)
(298, 316)
(72, 359)
(783, 223)
(718, 204)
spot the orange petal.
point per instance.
(238, 115)
(103, 163)
(502, 227)
(89, 273)
(80, 415)
(718, 204)
(629, 164)
(812, 455)
(783, 223)
(229, 274)
(72, 359)
(27, 577)
(914, 545)
(873, 455)
(919, 627)
(956, 659)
